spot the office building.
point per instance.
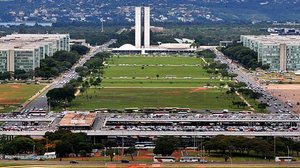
(25, 51)
(138, 27)
(143, 27)
(146, 27)
(282, 53)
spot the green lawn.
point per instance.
(150, 60)
(127, 83)
(161, 82)
(120, 98)
(151, 72)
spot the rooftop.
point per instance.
(28, 41)
(78, 119)
(274, 39)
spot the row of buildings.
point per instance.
(282, 53)
(25, 51)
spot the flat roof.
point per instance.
(78, 119)
(274, 39)
(28, 41)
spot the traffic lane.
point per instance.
(41, 101)
(250, 80)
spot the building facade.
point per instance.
(142, 26)
(25, 51)
(282, 53)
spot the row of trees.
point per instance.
(206, 54)
(58, 63)
(64, 142)
(92, 71)
(18, 74)
(244, 55)
(218, 69)
(241, 87)
(260, 146)
(234, 146)
(89, 75)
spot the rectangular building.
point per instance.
(77, 121)
(138, 27)
(282, 53)
(146, 27)
(25, 51)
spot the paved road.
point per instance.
(275, 106)
(158, 133)
(40, 102)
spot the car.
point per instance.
(124, 161)
(73, 162)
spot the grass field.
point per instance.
(162, 71)
(129, 82)
(12, 95)
(120, 98)
(160, 82)
(150, 60)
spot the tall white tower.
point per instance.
(146, 27)
(138, 27)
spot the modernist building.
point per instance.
(25, 51)
(138, 27)
(282, 53)
(142, 38)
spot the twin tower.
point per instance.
(139, 11)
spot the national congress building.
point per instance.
(25, 51)
(282, 53)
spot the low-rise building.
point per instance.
(77, 121)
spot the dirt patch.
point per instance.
(173, 92)
(286, 92)
(15, 86)
(199, 89)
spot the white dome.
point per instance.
(127, 47)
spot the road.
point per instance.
(157, 133)
(40, 102)
(275, 106)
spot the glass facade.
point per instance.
(269, 52)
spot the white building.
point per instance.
(184, 46)
(25, 51)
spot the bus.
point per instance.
(163, 159)
(144, 145)
(192, 160)
(283, 159)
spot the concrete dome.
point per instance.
(127, 47)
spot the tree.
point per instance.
(80, 49)
(62, 148)
(166, 145)
(61, 96)
(20, 144)
(130, 151)
(111, 154)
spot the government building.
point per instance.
(281, 52)
(25, 51)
